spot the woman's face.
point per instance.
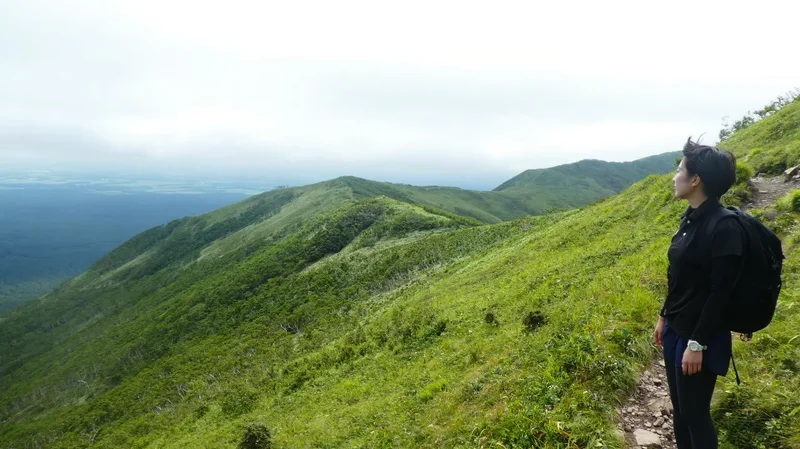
(683, 183)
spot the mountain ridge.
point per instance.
(636, 169)
(576, 187)
(568, 186)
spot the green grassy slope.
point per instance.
(372, 322)
(487, 207)
(772, 144)
(525, 333)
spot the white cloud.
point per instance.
(378, 89)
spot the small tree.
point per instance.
(256, 436)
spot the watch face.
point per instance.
(695, 346)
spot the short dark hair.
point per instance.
(717, 168)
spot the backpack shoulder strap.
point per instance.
(719, 215)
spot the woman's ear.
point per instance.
(696, 181)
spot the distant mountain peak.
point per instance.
(613, 176)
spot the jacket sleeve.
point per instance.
(663, 310)
(727, 251)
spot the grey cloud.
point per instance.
(76, 148)
(50, 140)
(69, 82)
(480, 96)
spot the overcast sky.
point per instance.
(426, 92)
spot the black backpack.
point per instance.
(755, 296)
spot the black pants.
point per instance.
(691, 403)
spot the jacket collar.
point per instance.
(701, 210)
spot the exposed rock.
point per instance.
(790, 172)
(646, 438)
(662, 405)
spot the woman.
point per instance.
(703, 267)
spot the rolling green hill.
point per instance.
(43, 248)
(532, 192)
(590, 174)
(344, 314)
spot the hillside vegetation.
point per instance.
(591, 175)
(772, 144)
(338, 315)
(532, 192)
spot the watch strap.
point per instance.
(694, 343)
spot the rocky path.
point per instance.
(767, 190)
(646, 418)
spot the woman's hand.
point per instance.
(692, 362)
(658, 332)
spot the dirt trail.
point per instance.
(767, 190)
(646, 418)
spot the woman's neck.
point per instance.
(696, 201)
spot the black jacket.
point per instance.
(703, 269)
